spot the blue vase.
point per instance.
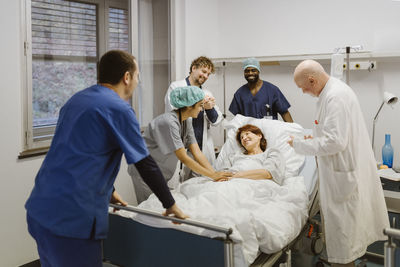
(387, 152)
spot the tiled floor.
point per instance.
(305, 260)
(296, 262)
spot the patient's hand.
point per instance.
(239, 174)
(256, 174)
(223, 179)
(221, 174)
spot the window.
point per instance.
(64, 40)
(118, 29)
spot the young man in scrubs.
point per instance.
(170, 134)
(200, 69)
(251, 99)
(67, 211)
(352, 204)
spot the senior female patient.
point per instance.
(256, 161)
(170, 134)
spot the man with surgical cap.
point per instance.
(170, 134)
(259, 98)
(200, 69)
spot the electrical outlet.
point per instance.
(361, 65)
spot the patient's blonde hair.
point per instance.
(254, 130)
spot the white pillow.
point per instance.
(277, 134)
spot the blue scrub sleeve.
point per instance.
(281, 104)
(234, 106)
(127, 132)
(152, 176)
(212, 115)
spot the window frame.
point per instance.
(39, 138)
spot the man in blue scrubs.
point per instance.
(257, 98)
(67, 211)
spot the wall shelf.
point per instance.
(288, 60)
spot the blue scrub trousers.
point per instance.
(59, 251)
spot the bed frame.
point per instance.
(131, 243)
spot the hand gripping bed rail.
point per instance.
(390, 246)
(228, 244)
(227, 231)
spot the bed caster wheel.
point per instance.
(322, 262)
(363, 263)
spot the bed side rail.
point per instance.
(224, 230)
(126, 259)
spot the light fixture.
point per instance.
(389, 99)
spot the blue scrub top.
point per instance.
(246, 104)
(74, 184)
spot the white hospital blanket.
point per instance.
(262, 214)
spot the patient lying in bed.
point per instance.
(255, 161)
(266, 211)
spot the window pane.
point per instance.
(54, 82)
(63, 28)
(64, 52)
(118, 29)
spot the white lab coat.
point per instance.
(351, 195)
(208, 143)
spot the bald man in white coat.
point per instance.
(351, 195)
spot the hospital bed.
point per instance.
(143, 243)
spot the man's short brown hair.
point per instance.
(202, 62)
(113, 65)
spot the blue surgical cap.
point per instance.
(251, 62)
(185, 96)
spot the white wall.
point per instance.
(234, 28)
(201, 29)
(264, 27)
(17, 176)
